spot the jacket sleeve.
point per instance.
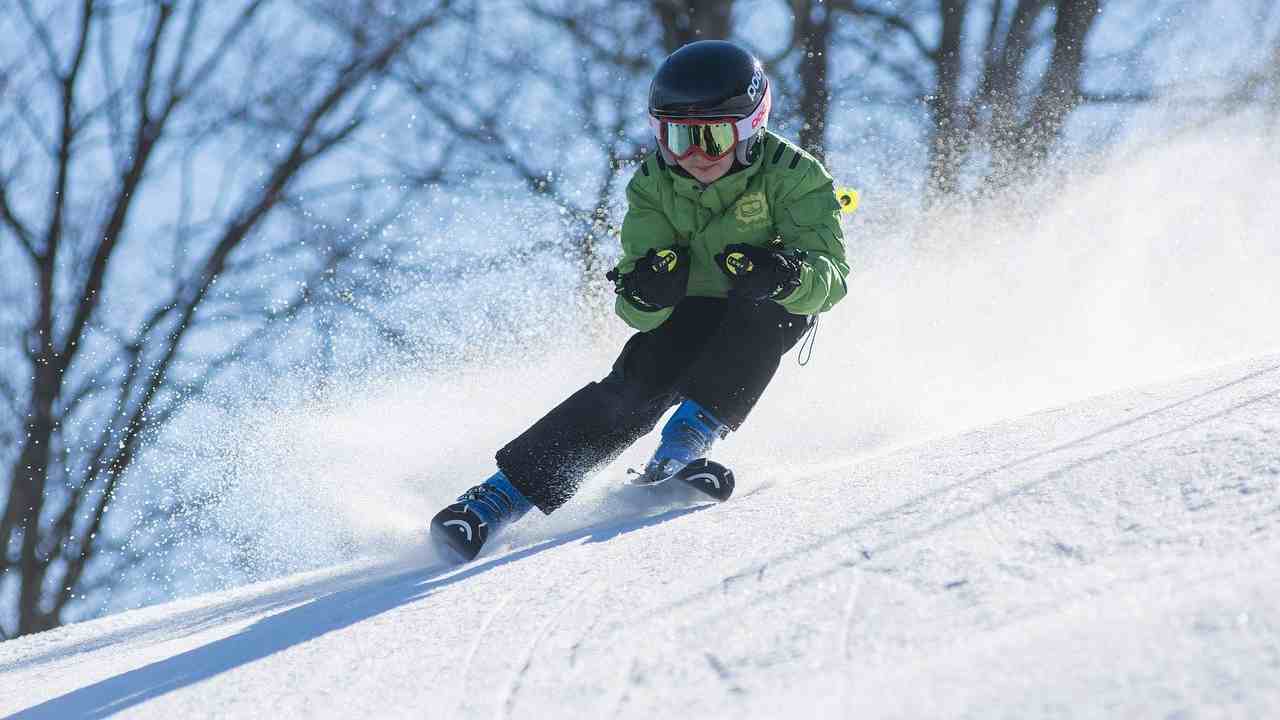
(807, 216)
(644, 227)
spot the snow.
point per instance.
(1011, 484)
(1112, 557)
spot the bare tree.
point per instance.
(596, 75)
(153, 153)
(996, 108)
(814, 22)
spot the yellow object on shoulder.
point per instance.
(848, 198)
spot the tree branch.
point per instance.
(58, 200)
(45, 39)
(898, 22)
(219, 53)
(19, 229)
(875, 56)
(148, 134)
(111, 102)
(185, 47)
(494, 144)
(306, 146)
(588, 37)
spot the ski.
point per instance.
(708, 477)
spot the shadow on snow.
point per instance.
(297, 625)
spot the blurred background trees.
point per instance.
(193, 193)
(157, 157)
(999, 78)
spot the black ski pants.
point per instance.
(719, 353)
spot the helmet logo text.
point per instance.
(757, 79)
(761, 113)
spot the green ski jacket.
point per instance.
(784, 194)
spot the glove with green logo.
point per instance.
(761, 273)
(658, 280)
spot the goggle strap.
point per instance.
(748, 125)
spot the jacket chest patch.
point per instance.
(752, 209)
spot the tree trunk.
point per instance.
(813, 31)
(685, 21)
(949, 141)
(1024, 153)
(27, 493)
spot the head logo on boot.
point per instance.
(462, 525)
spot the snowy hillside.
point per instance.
(1115, 557)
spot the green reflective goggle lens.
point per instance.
(715, 140)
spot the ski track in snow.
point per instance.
(1111, 558)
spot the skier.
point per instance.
(731, 247)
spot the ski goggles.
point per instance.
(713, 138)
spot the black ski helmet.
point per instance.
(713, 79)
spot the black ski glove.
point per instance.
(658, 280)
(761, 273)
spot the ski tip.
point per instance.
(710, 478)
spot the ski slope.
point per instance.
(1115, 557)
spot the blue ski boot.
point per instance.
(462, 528)
(687, 437)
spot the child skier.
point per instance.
(731, 247)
